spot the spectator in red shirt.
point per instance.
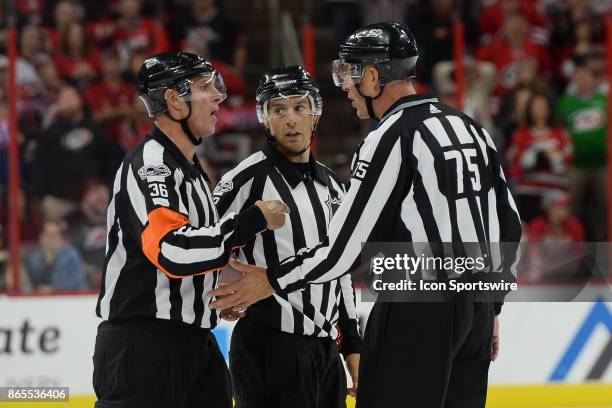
(494, 16)
(540, 155)
(555, 239)
(510, 49)
(65, 13)
(111, 99)
(557, 225)
(30, 11)
(77, 60)
(132, 32)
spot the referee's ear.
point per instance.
(176, 105)
(370, 81)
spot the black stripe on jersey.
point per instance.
(257, 173)
(484, 197)
(113, 242)
(335, 308)
(204, 241)
(256, 193)
(325, 298)
(299, 239)
(123, 302)
(176, 301)
(198, 302)
(133, 227)
(211, 210)
(315, 202)
(173, 198)
(213, 313)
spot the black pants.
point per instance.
(426, 355)
(156, 363)
(275, 369)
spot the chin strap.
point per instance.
(185, 126)
(369, 99)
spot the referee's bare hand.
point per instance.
(252, 287)
(230, 315)
(274, 211)
(495, 340)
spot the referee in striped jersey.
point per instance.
(165, 244)
(427, 173)
(284, 353)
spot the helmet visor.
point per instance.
(346, 74)
(301, 104)
(205, 86)
(285, 105)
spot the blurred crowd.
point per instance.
(535, 77)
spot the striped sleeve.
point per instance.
(509, 221)
(348, 322)
(374, 179)
(233, 191)
(156, 189)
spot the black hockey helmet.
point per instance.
(390, 47)
(172, 70)
(288, 82)
(175, 70)
(284, 83)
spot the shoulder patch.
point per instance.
(152, 170)
(224, 186)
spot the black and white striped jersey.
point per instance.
(428, 173)
(312, 195)
(165, 236)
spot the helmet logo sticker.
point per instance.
(290, 82)
(151, 62)
(374, 32)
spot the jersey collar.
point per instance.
(194, 170)
(291, 174)
(408, 102)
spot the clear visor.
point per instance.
(206, 86)
(283, 106)
(346, 74)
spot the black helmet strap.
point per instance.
(185, 126)
(369, 99)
